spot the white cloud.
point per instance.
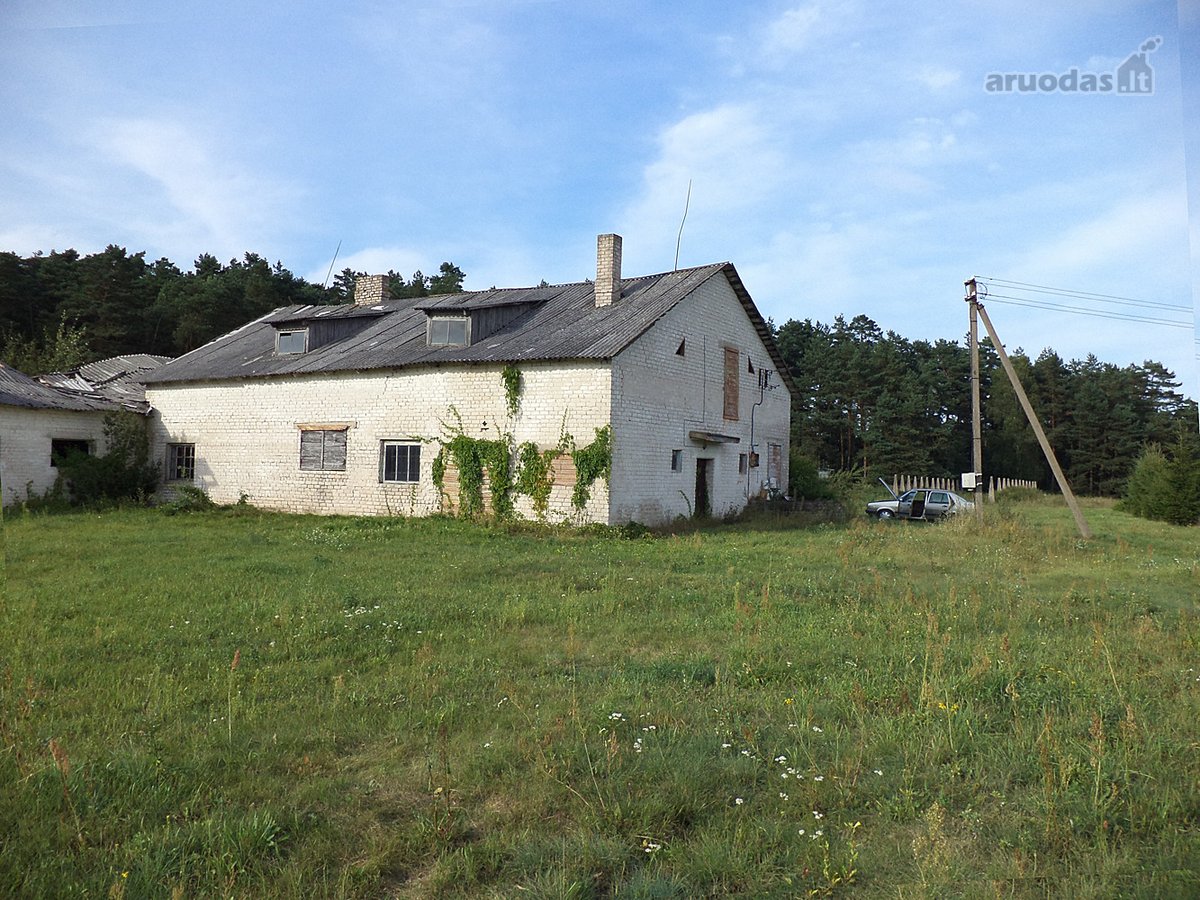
(1127, 234)
(792, 32)
(734, 162)
(937, 78)
(375, 261)
(212, 199)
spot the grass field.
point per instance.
(232, 703)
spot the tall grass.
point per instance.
(429, 708)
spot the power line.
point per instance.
(1097, 314)
(1082, 295)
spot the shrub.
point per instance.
(1166, 485)
(804, 480)
(123, 473)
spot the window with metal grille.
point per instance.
(181, 462)
(400, 462)
(323, 450)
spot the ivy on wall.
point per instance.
(532, 475)
(510, 377)
(592, 462)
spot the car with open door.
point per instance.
(921, 504)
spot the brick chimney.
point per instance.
(608, 269)
(370, 290)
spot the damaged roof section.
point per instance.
(108, 384)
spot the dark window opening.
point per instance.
(676, 460)
(61, 448)
(681, 349)
(749, 365)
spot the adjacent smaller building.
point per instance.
(42, 419)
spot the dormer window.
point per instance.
(291, 341)
(449, 332)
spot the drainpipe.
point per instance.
(764, 376)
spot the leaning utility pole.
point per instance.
(976, 307)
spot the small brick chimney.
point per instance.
(608, 269)
(370, 290)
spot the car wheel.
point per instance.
(886, 514)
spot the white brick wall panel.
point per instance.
(247, 437)
(658, 397)
(25, 436)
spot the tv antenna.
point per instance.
(679, 238)
(331, 262)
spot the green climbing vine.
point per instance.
(473, 457)
(535, 478)
(532, 475)
(592, 462)
(510, 376)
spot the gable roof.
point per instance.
(551, 323)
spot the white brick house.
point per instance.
(344, 409)
(44, 418)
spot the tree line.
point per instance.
(881, 404)
(63, 308)
(868, 401)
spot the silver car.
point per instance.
(920, 503)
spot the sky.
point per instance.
(847, 157)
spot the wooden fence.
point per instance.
(902, 483)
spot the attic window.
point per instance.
(445, 332)
(291, 341)
(679, 351)
(749, 365)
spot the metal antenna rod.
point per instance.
(679, 238)
(331, 262)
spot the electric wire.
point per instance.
(1081, 295)
(1098, 314)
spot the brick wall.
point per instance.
(247, 434)
(659, 396)
(25, 436)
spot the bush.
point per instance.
(122, 474)
(804, 480)
(1166, 485)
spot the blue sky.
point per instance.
(845, 156)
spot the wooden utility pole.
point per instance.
(976, 306)
(976, 418)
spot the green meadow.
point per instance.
(240, 704)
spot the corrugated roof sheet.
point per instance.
(18, 389)
(562, 322)
(117, 379)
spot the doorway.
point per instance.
(704, 469)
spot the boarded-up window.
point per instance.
(731, 383)
(323, 450)
(775, 465)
